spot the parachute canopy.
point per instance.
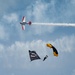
(55, 52)
(33, 55)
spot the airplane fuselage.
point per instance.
(23, 23)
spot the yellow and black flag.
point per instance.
(55, 52)
(33, 55)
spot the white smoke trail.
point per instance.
(55, 24)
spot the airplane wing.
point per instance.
(24, 19)
(23, 27)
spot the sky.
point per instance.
(15, 43)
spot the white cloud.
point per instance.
(18, 52)
(38, 11)
(5, 5)
(1, 50)
(3, 34)
(73, 2)
(13, 17)
(73, 72)
(7, 21)
(66, 43)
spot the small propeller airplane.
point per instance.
(23, 23)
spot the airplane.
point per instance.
(23, 23)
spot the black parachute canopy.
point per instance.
(33, 55)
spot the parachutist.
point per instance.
(45, 57)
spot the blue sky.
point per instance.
(15, 43)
